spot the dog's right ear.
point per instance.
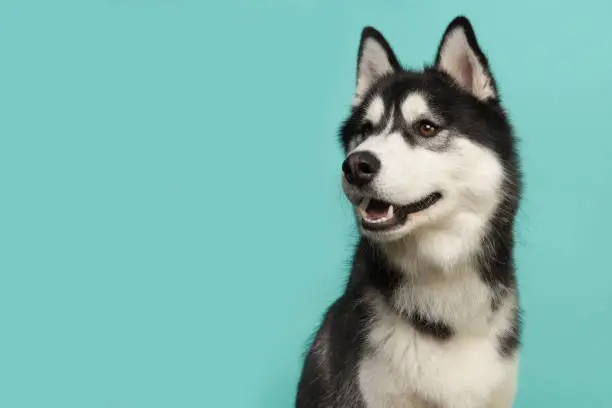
(375, 60)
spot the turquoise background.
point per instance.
(171, 224)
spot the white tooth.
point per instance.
(389, 212)
(364, 203)
(363, 213)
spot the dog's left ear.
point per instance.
(460, 56)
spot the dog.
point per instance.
(430, 315)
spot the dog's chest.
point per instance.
(407, 368)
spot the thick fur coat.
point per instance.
(430, 314)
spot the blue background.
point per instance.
(171, 221)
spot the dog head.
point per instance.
(427, 150)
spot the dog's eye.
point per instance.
(366, 127)
(427, 128)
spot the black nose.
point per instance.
(360, 168)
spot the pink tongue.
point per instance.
(376, 214)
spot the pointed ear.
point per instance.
(460, 56)
(375, 60)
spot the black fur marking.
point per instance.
(435, 329)
(509, 342)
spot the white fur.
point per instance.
(453, 229)
(408, 369)
(459, 60)
(415, 107)
(375, 111)
(373, 64)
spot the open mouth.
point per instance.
(378, 215)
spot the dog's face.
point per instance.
(424, 150)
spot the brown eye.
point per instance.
(427, 129)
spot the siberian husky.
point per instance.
(429, 317)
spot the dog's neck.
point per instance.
(446, 249)
(437, 274)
